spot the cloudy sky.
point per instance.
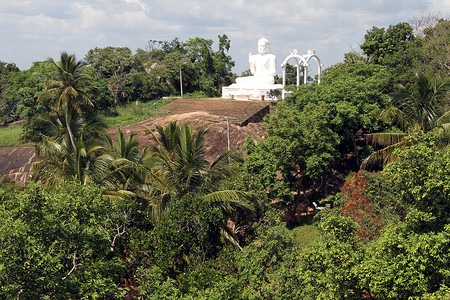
(33, 30)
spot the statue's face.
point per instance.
(263, 47)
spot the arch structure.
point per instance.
(301, 60)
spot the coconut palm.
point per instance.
(178, 167)
(424, 107)
(87, 162)
(68, 89)
(127, 169)
(92, 160)
(128, 149)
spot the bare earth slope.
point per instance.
(244, 120)
(16, 162)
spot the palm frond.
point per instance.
(445, 118)
(385, 155)
(228, 238)
(444, 134)
(157, 206)
(385, 138)
(230, 200)
(118, 194)
(396, 114)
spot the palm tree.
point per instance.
(68, 88)
(127, 169)
(127, 149)
(94, 158)
(87, 162)
(178, 167)
(424, 107)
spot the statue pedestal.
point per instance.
(250, 91)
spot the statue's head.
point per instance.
(263, 46)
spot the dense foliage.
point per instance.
(57, 242)
(108, 218)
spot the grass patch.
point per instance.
(119, 116)
(131, 113)
(10, 136)
(306, 235)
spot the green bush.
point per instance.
(56, 242)
(186, 236)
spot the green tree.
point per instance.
(113, 65)
(295, 156)
(423, 107)
(418, 178)
(223, 63)
(395, 47)
(266, 267)
(58, 243)
(353, 90)
(27, 86)
(404, 264)
(207, 70)
(178, 167)
(109, 59)
(68, 90)
(144, 87)
(187, 235)
(8, 106)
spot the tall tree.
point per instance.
(424, 107)
(435, 47)
(380, 43)
(88, 161)
(68, 89)
(7, 104)
(353, 91)
(296, 155)
(178, 167)
(395, 48)
(108, 60)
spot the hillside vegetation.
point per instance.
(114, 218)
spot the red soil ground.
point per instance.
(244, 118)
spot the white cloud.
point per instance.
(329, 26)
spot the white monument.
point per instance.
(301, 60)
(263, 68)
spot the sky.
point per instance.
(34, 30)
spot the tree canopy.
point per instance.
(293, 218)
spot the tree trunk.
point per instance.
(72, 141)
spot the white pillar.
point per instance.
(305, 74)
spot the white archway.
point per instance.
(299, 60)
(312, 55)
(302, 60)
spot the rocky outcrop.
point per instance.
(16, 162)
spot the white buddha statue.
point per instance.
(262, 66)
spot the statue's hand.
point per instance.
(250, 54)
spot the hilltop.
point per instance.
(244, 120)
